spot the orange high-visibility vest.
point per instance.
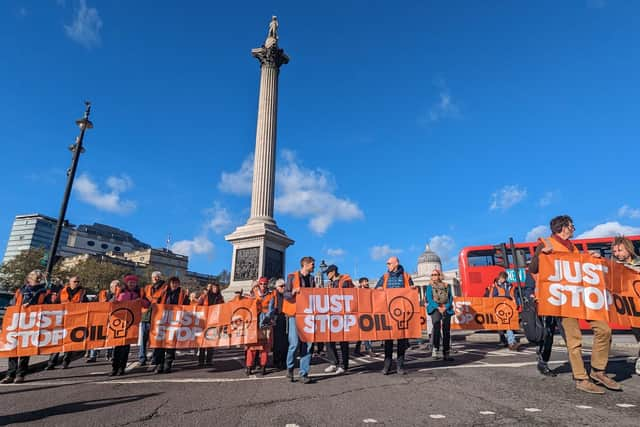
(343, 278)
(41, 297)
(405, 276)
(153, 295)
(184, 298)
(556, 246)
(65, 298)
(289, 307)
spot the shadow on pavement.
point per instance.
(70, 408)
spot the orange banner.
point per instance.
(57, 328)
(193, 326)
(496, 314)
(583, 287)
(334, 315)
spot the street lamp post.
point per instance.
(76, 149)
(323, 268)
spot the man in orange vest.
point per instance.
(338, 281)
(175, 294)
(395, 277)
(299, 279)
(562, 230)
(501, 288)
(153, 292)
(34, 292)
(212, 296)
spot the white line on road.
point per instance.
(292, 425)
(369, 421)
(487, 413)
(584, 407)
(625, 405)
(533, 410)
(481, 364)
(437, 416)
(189, 380)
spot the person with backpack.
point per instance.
(440, 308)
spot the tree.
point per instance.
(96, 274)
(14, 272)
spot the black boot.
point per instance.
(290, 375)
(400, 363)
(387, 367)
(113, 373)
(248, 371)
(446, 357)
(263, 371)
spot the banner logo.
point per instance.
(399, 312)
(120, 321)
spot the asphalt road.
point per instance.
(486, 385)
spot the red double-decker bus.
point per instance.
(478, 267)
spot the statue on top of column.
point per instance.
(272, 36)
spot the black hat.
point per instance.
(333, 268)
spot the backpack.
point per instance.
(531, 323)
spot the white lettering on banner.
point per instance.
(593, 298)
(335, 323)
(40, 338)
(180, 325)
(35, 319)
(181, 318)
(329, 303)
(463, 312)
(587, 272)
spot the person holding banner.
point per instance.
(363, 283)
(440, 308)
(261, 293)
(121, 352)
(562, 229)
(34, 292)
(174, 295)
(212, 296)
(295, 281)
(501, 288)
(338, 280)
(623, 252)
(72, 293)
(153, 293)
(395, 277)
(105, 296)
(279, 320)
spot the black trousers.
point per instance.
(280, 342)
(18, 366)
(332, 354)
(441, 330)
(544, 348)
(403, 344)
(66, 358)
(120, 357)
(164, 357)
(53, 359)
(205, 355)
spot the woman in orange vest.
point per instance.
(265, 334)
(174, 295)
(211, 296)
(72, 293)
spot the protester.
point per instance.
(105, 296)
(174, 295)
(550, 324)
(261, 293)
(623, 252)
(337, 280)
(34, 292)
(562, 229)
(295, 281)
(440, 308)
(153, 293)
(363, 283)
(503, 289)
(121, 353)
(279, 321)
(72, 293)
(212, 296)
(395, 277)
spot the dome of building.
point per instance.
(428, 261)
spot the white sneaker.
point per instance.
(340, 371)
(330, 368)
(638, 366)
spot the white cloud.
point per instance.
(336, 252)
(303, 192)
(86, 26)
(384, 251)
(608, 229)
(109, 200)
(238, 182)
(507, 196)
(546, 199)
(537, 232)
(198, 246)
(626, 211)
(445, 107)
(443, 245)
(220, 220)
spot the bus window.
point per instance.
(481, 258)
(603, 248)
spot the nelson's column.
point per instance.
(259, 246)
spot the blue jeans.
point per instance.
(143, 341)
(305, 349)
(511, 337)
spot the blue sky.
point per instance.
(452, 123)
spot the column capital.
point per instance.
(271, 56)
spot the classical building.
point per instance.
(162, 260)
(101, 238)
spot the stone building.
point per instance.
(429, 261)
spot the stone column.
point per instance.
(262, 194)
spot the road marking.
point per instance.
(437, 416)
(292, 425)
(584, 407)
(189, 380)
(487, 413)
(369, 421)
(533, 410)
(625, 405)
